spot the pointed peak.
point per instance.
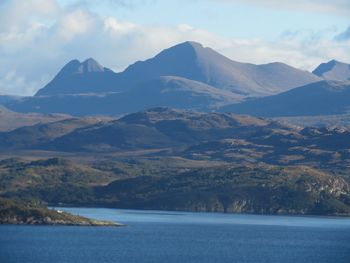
(76, 67)
(188, 50)
(333, 63)
(188, 45)
(192, 44)
(91, 65)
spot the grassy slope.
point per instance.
(179, 184)
(255, 189)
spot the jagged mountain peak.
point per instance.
(76, 67)
(80, 77)
(91, 65)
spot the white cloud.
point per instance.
(337, 7)
(343, 36)
(38, 40)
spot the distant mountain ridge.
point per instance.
(192, 77)
(187, 76)
(193, 61)
(333, 70)
(188, 60)
(321, 98)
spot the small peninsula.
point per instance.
(17, 212)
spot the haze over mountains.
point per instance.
(330, 96)
(187, 76)
(188, 60)
(190, 76)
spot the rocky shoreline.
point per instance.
(27, 213)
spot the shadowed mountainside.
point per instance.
(187, 76)
(321, 98)
(333, 70)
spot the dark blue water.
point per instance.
(180, 237)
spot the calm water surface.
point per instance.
(153, 236)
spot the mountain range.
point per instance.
(189, 60)
(187, 76)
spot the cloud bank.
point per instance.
(37, 37)
(336, 7)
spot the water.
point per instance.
(153, 236)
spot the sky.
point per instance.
(38, 37)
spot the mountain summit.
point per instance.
(193, 61)
(333, 70)
(80, 77)
(76, 67)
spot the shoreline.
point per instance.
(205, 212)
(17, 212)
